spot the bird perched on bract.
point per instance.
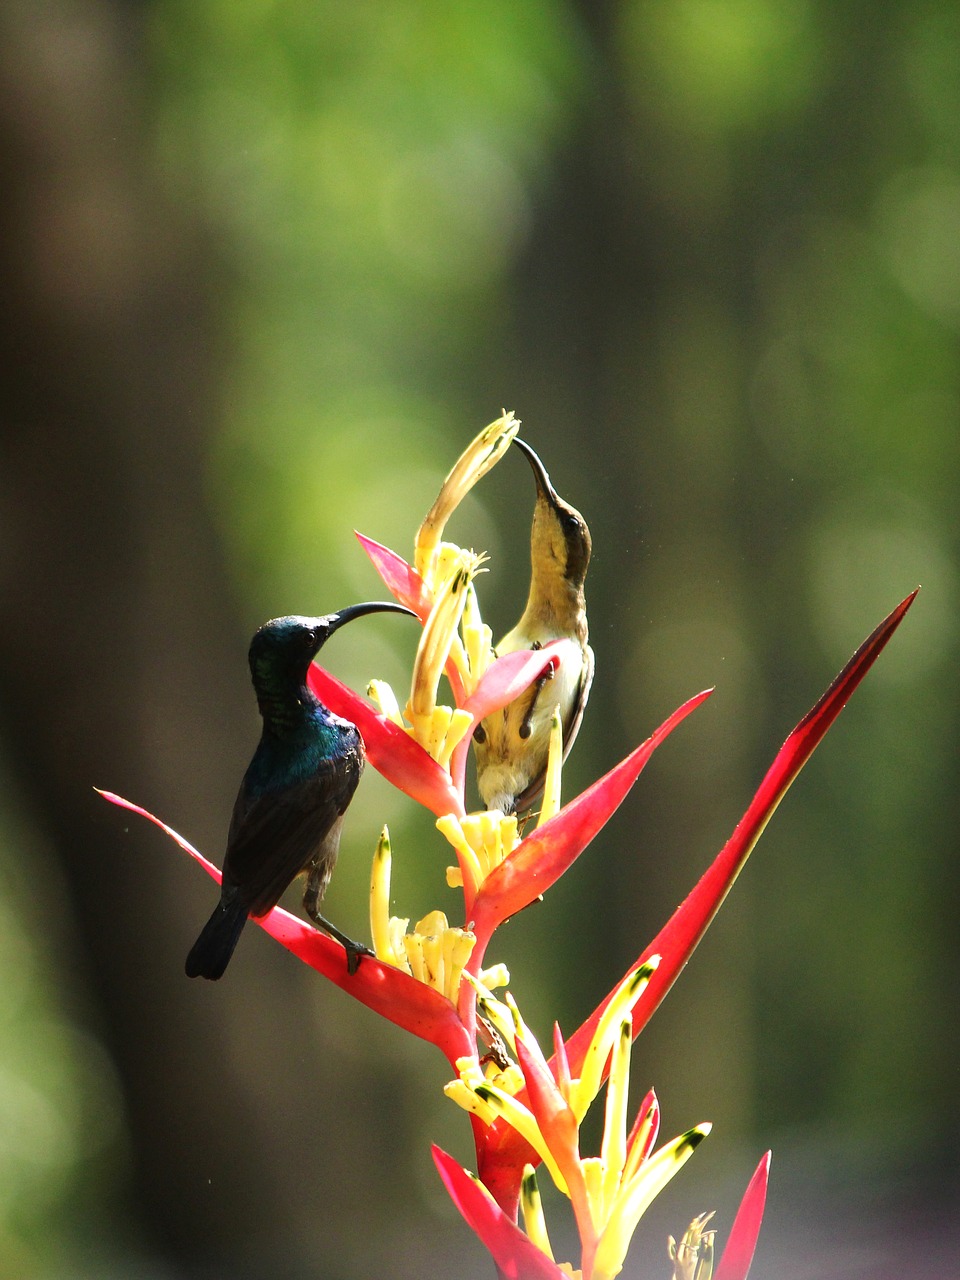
(289, 812)
(511, 745)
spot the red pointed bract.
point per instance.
(401, 579)
(557, 1122)
(676, 942)
(395, 995)
(649, 1106)
(540, 859)
(515, 1254)
(185, 845)
(742, 1241)
(389, 748)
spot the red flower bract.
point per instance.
(742, 1240)
(389, 748)
(515, 1254)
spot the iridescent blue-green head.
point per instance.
(282, 650)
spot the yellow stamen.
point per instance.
(398, 931)
(498, 975)
(692, 1258)
(413, 947)
(434, 953)
(457, 946)
(477, 641)
(461, 723)
(469, 869)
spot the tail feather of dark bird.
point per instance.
(211, 952)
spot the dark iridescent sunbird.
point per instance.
(289, 811)
(511, 745)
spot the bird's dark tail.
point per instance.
(211, 952)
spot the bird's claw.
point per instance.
(355, 953)
(355, 950)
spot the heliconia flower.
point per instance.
(435, 981)
(609, 1193)
(483, 452)
(527, 1254)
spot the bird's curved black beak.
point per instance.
(336, 620)
(544, 486)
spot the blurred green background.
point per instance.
(267, 267)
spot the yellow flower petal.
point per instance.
(613, 1151)
(584, 1090)
(483, 452)
(635, 1197)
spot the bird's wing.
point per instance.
(572, 727)
(277, 834)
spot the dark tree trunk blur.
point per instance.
(123, 664)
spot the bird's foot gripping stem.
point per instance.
(355, 950)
